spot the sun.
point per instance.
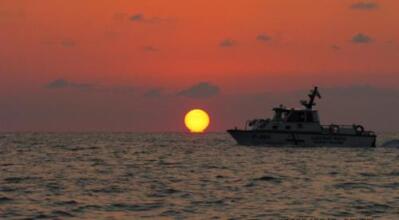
(197, 120)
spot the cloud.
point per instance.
(263, 37)
(137, 17)
(335, 47)
(64, 84)
(120, 16)
(153, 93)
(141, 18)
(150, 49)
(361, 39)
(111, 34)
(227, 43)
(117, 89)
(8, 15)
(364, 6)
(68, 43)
(200, 91)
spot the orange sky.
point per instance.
(174, 44)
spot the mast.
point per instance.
(312, 96)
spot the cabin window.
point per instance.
(309, 117)
(296, 116)
(284, 116)
(277, 116)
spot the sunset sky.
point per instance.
(123, 65)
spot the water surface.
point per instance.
(181, 176)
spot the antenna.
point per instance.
(312, 95)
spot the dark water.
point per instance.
(180, 176)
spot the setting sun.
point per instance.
(197, 120)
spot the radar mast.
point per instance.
(312, 96)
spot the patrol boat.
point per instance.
(301, 127)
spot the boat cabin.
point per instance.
(305, 119)
(292, 115)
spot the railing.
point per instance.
(340, 126)
(342, 129)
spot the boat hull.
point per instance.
(300, 139)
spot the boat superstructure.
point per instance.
(302, 127)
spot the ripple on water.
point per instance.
(393, 185)
(8, 189)
(7, 164)
(365, 174)
(133, 207)
(355, 185)
(164, 192)
(333, 173)
(370, 208)
(109, 190)
(87, 208)
(393, 173)
(20, 179)
(178, 176)
(61, 213)
(271, 179)
(66, 203)
(171, 213)
(4, 200)
(214, 203)
(55, 188)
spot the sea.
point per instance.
(185, 176)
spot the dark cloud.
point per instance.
(150, 49)
(58, 84)
(200, 90)
(12, 15)
(111, 34)
(153, 93)
(364, 6)
(141, 18)
(263, 37)
(64, 84)
(227, 43)
(120, 16)
(137, 17)
(118, 89)
(361, 39)
(68, 43)
(335, 47)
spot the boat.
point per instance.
(301, 128)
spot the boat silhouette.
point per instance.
(302, 127)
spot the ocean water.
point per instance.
(183, 176)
